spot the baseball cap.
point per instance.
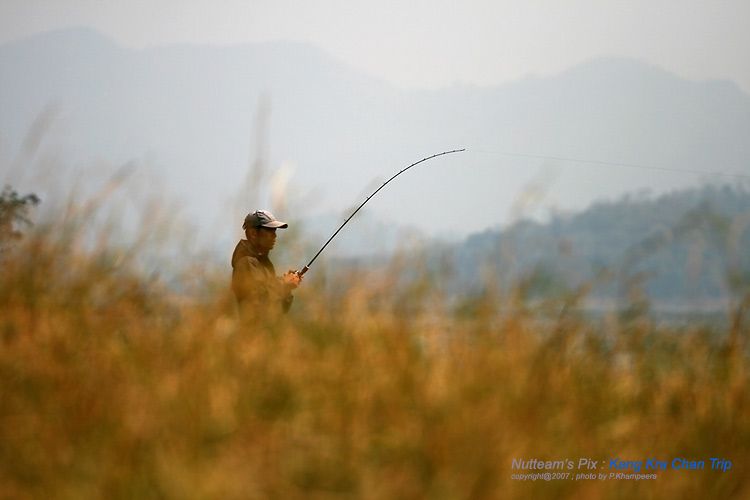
(263, 218)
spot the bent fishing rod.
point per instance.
(307, 267)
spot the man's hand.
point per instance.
(292, 280)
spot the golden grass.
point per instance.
(372, 388)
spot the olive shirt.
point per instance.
(254, 282)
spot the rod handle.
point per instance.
(303, 271)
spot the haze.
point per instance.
(369, 87)
(430, 44)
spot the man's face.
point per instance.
(265, 239)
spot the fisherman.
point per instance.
(259, 291)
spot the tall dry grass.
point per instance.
(374, 387)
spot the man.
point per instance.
(259, 291)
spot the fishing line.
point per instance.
(518, 155)
(612, 164)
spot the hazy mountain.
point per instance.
(195, 118)
(686, 249)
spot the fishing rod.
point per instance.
(307, 267)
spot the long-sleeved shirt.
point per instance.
(259, 291)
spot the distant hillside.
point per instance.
(685, 248)
(210, 126)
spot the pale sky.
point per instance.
(429, 43)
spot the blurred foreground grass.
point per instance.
(111, 386)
